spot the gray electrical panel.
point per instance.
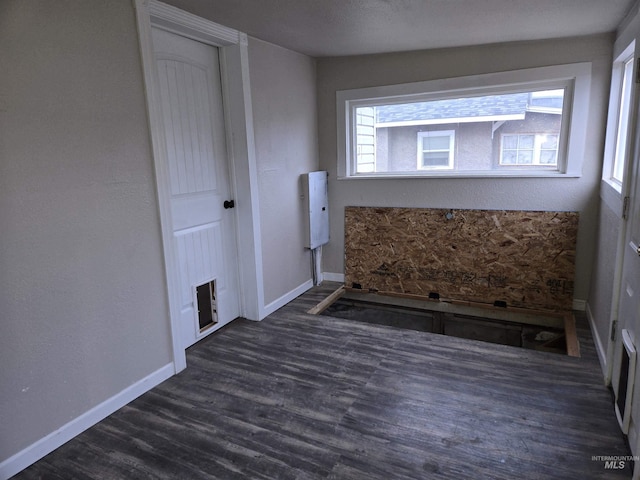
(314, 186)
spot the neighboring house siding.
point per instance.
(473, 146)
(366, 132)
(383, 153)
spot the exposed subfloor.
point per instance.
(301, 396)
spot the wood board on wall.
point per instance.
(524, 259)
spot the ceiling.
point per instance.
(349, 27)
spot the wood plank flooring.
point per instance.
(303, 397)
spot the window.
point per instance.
(530, 149)
(435, 149)
(506, 124)
(622, 127)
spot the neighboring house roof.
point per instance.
(488, 107)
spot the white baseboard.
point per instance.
(333, 277)
(602, 353)
(579, 305)
(48, 444)
(286, 298)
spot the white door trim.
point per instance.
(236, 94)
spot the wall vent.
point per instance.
(624, 392)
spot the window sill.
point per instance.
(611, 196)
(466, 175)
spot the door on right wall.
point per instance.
(629, 308)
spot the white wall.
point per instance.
(603, 278)
(83, 300)
(283, 94)
(574, 194)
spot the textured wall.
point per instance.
(556, 194)
(283, 95)
(82, 286)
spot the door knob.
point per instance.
(231, 204)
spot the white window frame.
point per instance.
(619, 116)
(575, 78)
(436, 133)
(624, 120)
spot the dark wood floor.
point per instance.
(313, 397)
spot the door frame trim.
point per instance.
(238, 115)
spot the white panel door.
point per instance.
(629, 307)
(204, 232)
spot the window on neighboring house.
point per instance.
(504, 124)
(435, 149)
(529, 149)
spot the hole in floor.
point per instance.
(534, 337)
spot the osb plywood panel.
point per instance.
(525, 259)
